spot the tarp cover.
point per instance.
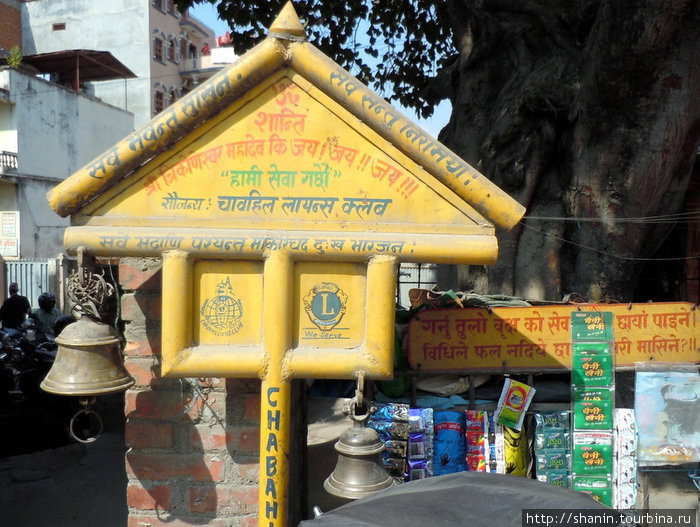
(463, 499)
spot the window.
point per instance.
(171, 50)
(173, 97)
(159, 102)
(158, 49)
(414, 275)
(59, 26)
(171, 7)
(183, 49)
(158, 4)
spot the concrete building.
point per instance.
(47, 132)
(168, 52)
(91, 72)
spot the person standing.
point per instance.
(47, 313)
(14, 310)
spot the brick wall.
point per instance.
(10, 27)
(193, 443)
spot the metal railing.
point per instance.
(411, 275)
(31, 275)
(8, 161)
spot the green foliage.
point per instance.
(15, 58)
(394, 46)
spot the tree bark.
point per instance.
(584, 110)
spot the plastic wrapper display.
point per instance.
(592, 454)
(600, 488)
(559, 419)
(513, 403)
(449, 442)
(477, 443)
(625, 480)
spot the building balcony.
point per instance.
(204, 66)
(8, 162)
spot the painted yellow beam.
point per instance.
(446, 166)
(301, 245)
(167, 127)
(275, 408)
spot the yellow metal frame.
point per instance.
(181, 357)
(88, 193)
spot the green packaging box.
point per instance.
(593, 408)
(592, 454)
(591, 326)
(600, 488)
(592, 364)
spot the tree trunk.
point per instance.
(587, 113)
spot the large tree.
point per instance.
(585, 111)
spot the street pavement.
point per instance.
(85, 484)
(70, 486)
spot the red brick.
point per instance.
(167, 520)
(10, 27)
(213, 382)
(243, 438)
(237, 386)
(244, 500)
(252, 408)
(141, 433)
(154, 498)
(155, 404)
(140, 306)
(202, 499)
(248, 471)
(143, 274)
(159, 467)
(145, 372)
(208, 438)
(146, 346)
(250, 521)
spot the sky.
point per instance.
(206, 13)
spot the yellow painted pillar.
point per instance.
(275, 393)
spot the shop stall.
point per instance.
(586, 396)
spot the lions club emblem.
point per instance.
(325, 305)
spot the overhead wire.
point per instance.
(681, 217)
(606, 253)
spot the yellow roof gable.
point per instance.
(283, 140)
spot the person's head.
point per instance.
(47, 301)
(14, 288)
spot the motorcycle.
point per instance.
(26, 357)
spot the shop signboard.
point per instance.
(9, 240)
(538, 338)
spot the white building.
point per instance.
(47, 132)
(163, 48)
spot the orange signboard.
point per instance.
(539, 338)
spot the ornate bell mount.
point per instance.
(88, 360)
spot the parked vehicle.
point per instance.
(26, 358)
(476, 499)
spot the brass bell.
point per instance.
(359, 470)
(88, 361)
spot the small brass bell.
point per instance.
(88, 361)
(359, 470)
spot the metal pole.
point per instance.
(275, 401)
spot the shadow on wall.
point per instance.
(170, 474)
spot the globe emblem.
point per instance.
(222, 314)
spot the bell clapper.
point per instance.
(85, 433)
